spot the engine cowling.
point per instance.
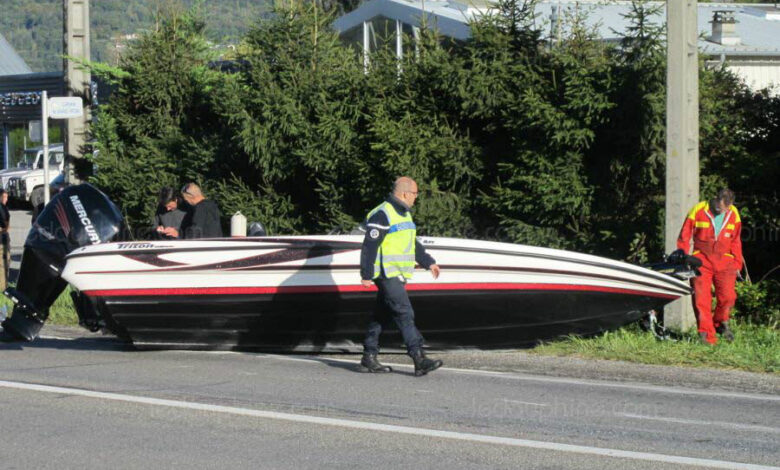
(77, 216)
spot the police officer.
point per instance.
(387, 259)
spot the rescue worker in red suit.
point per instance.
(715, 227)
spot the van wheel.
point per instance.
(36, 197)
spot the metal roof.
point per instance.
(758, 26)
(10, 62)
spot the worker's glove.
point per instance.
(676, 257)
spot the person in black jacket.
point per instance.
(5, 239)
(168, 213)
(201, 219)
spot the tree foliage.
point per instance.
(512, 136)
(159, 126)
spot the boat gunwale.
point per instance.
(618, 266)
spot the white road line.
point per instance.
(407, 430)
(524, 402)
(562, 380)
(748, 427)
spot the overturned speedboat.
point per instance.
(304, 292)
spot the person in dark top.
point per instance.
(202, 218)
(388, 257)
(5, 239)
(168, 212)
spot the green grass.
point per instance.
(61, 313)
(756, 349)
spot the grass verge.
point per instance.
(61, 313)
(756, 349)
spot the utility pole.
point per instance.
(76, 44)
(682, 135)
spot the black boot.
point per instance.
(725, 332)
(423, 365)
(370, 363)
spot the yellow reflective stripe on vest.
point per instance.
(702, 224)
(400, 258)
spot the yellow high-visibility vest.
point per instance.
(396, 253)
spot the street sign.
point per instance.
(65, 107)
(34, 131)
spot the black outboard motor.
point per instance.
(77, 216)
(679, 265)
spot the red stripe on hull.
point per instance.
(358, 288)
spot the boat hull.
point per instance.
(337, 321)
(304, 294)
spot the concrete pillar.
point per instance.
(682, 135)
(76, 44)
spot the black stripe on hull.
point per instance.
(336, 322)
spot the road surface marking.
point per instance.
(407, 430)
(748, 427)
(524, 402)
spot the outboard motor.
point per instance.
(77, 216)
(679, 265)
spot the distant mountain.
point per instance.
(34, 27)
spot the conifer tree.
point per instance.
(158, 128)
(629, 155)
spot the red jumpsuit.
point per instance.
(721, 258)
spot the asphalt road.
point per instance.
(86, 403)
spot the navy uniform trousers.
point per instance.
(392, 304)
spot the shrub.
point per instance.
(759, 303)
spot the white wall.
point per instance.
(758, 74)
